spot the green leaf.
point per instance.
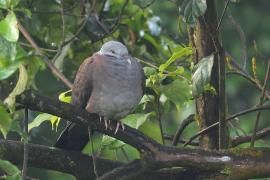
(34, 65)
(8, 62)
(177, 92)
(13, 173)
(5, 121)
(5, 4)
(13, 3)
(202, 74)
(38, 120)
(192, 9)
(55, 122)
(64, 97)
(148, 71)
(7, 53)
(19, 88)
(183, 52)
(151, 130)
(8, 27)
(9, 70)
(136, 120)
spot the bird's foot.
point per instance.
(107, 122)
(118, 125)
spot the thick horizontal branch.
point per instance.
(239, 163)
(74, 163)
(82, 117)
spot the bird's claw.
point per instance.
(118, 125)
(107, 122)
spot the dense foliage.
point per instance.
(66, 32)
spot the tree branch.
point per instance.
(46, 60)
(243, 139)
(183, 125)
(250, 162)
(74, 163)
(241, 113)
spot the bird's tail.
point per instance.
(73, 137)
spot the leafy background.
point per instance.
(154, 32)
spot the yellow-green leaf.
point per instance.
(176, 55)
(5, 121)
(19, 88)
(64, 97)
(9, 28)
(38, 120)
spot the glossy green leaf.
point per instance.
(7, 53)
(39, 120)
(19, 88)
(192, 9)
(65, 96)
(13, 173)
(177, 92)
(176, 55)
(9, 28)
(5, 121)
(202, 74)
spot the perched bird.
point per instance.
(109, 83)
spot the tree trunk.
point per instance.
(210, 107)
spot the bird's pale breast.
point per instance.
(117, 88)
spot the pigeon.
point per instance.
(111, 84)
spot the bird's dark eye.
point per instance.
(113, 51)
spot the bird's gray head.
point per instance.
(114, 48)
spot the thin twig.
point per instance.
(92, 149)
(25, 146)
(181, 141)
(243, 73)
(181, 128)
(159, 117)
(43, 49)
(260, 103)
(203, 131)
(148, 4)
(247, 138)
(250, 79)
(63, 21)
(223, 13)
(45, 59)
(77, 33)
(242, 38)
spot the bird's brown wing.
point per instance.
(75, 137)
(82, 86)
